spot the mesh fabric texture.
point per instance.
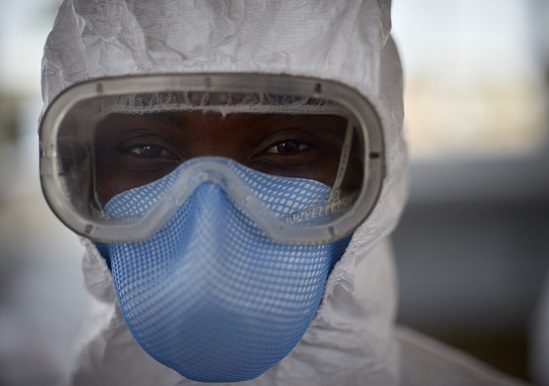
(210, 295)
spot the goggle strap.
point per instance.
(343, 161)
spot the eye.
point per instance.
(287, 148)
(149, 151)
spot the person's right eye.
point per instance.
(146, 154)
(146, 147)
(148, 151)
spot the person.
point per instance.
(235, 169)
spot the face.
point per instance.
(133, 150)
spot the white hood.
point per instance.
(350, 341)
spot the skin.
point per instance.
(133, 150)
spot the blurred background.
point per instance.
(473, 245)
(472, 248)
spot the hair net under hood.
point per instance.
(350, 340)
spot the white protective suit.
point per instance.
(352, 340)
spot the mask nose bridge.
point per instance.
(215, 170)
(223, 173)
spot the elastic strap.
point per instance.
(343, 161)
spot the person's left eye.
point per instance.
(288, 148)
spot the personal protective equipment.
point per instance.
(351, 340)
(106, 136)
(210, 295)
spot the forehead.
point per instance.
(217, 123)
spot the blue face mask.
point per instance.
(210, 295)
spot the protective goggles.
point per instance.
(104, 137)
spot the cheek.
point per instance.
(108, 184)
(353, 177)
(110, 178)
(324, 171)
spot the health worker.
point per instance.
(235, 169)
